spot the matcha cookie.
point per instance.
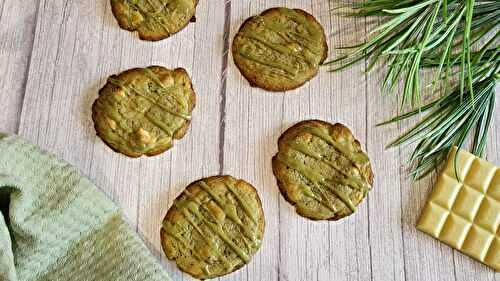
(142, 110)
(214, 227)
(280, 49)
(154, 19)
(322, 170)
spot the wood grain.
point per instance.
(77, 45)
(17, 31)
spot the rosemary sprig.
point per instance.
(439, 35)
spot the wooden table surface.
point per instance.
(56, 54)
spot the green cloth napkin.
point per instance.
(56, 225)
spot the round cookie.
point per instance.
(154, 19)
(214, 227)
(142, 110)
(322, 170)
(280, 49)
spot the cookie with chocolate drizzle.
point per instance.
(154, 19)
(142, 110)
(322, 170)
(214, 227)
(280, 49)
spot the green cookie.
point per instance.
(142, 110)
(214, 227)
(280, 49)
(154, 19)
(322, 170)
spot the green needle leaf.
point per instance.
(457, 40)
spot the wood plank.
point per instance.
(17, 30)
(385, 201)
(78, 45)
(301, 249)
(435, 261)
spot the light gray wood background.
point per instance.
(56, 54)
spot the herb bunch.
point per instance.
(458, 40)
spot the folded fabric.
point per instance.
(56, 225)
